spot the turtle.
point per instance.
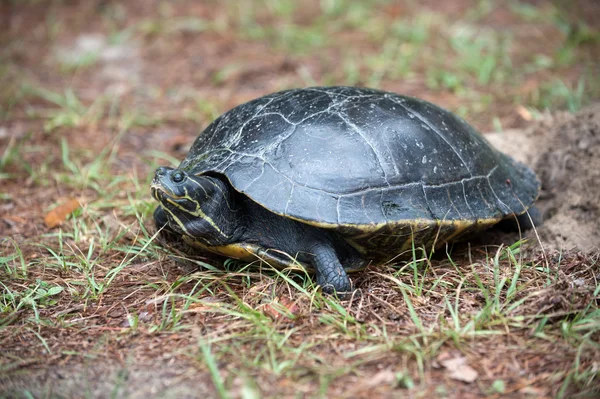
(335, 178)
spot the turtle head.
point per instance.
(197, 206)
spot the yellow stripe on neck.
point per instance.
(198, 213)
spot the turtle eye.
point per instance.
(177, 177)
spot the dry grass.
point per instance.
(530, 324)
(98, 307)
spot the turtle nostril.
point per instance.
(161, 171)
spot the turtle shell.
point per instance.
(346, 157)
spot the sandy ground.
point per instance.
(564, 150)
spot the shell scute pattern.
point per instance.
(356, 157)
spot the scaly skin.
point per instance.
(211, 212)
(331, 275)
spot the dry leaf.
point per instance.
(274, 311)
(270, 311)
(291, 306)
(199, 308)
(58, 215)
(14, 219)
(459, 369)
(383, 377)
(533, 391)
(524, 113)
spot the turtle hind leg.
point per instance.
(526, 221)
(331, 275)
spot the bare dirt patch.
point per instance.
(564, 150)
(569, 167)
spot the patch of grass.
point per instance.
(10, 153)
(20, 158)
(90, 175)
(73, 63)
(433, 302)
(13, 263)
(214, 371)
(170, 26)
(482, 54)
(480, 10)
(294, 36)
(531, 13)
(67, 111)
(576, 35)
(40, 294)
(558, 94)
(10, 94)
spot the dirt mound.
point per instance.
(564, 150)
(569, 168)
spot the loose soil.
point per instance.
(569, 167)
(564, 150)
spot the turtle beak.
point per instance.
(160, 175)
(170, 183)
(160, 182)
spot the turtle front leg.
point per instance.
(160, 219)
(530, 219)
(331, 275)
(527, 221)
